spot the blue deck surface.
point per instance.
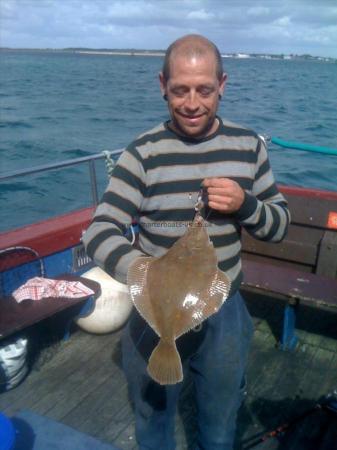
(35, 432)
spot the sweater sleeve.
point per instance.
(105, 240)
(264, 213)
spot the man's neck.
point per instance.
(214, 127)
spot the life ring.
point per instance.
(112, 307)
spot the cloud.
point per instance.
(273, 26)
(258, 11)
(200, 14)
(283, 22)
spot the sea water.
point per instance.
(57, 106)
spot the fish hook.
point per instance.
(201, 203)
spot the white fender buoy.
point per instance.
(112, 307)
(13, 362)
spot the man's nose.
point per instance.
(192, 101)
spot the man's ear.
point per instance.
(162, 82)
(222, 84)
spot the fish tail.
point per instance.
(165, 363)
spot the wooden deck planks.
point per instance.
(122, 419)
(54, 377)
(83, 386)
(80, 384)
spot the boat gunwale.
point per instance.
(67, 229)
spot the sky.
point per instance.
(241, 26)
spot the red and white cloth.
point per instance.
(38, 288)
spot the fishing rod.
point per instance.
(300, 146)
(328, 404)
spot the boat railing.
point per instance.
(89, 160)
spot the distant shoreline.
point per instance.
(119, 53)
(88, 51)
(161, 53)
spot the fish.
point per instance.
(175, 293)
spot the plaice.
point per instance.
(176, 292)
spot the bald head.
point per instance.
(192, 46)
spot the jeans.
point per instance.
(217, 366)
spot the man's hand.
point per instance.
(224, 195)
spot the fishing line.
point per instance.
(328, 404)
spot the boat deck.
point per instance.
(82, 385)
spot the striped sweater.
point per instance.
(156, 181)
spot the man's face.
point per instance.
(193, 91)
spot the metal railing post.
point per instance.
(93, 182)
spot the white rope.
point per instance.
(133, 240)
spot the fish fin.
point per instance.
(137, 282)
(217, 294)
(223, 284)
(165, 364)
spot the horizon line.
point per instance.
(155, 52)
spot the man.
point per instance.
(157, 180)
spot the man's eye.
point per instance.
(179, 92)
(205, 92)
